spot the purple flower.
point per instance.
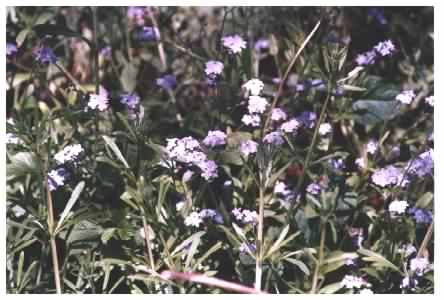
(186, 150)
(423, 165)
(389, 176)
(11, 49)
(421, 216)
(385, 48)
(212, 214)
(409, 283)
(367, 58)
(45, 55)
(378, 14)
(261, 44)
(257, 104)
(106, 52)
(148, 34)
(167, 82)
(213, 68)
(245, 216)
(187, 175)
(337, 164)
(137, 14)
(314, 188)
(308, 119)
(419, 265)
(215, 138)
(251, 120)
(131, 100)
(248, 147)
(57, 178)
(208, 168)
(234, 43)
(274, 138)
(278, 114)
(290, 126)
(247, 248)
(406, 97)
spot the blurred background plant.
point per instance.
(119, 81)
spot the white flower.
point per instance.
(281, 188)
(366, 291)
(407, 250)
(419, 265)
(360, 162)
(179, 205)
(13, 139)
(234, 43)
(406, 97)
(254, 86)
(187, 175)
(430, 100)
(194, 219)
(251, 120)
(372, 147)
(351, 282)
(257, 104)
(398, 207)
(324, 128)
(290, 126)
(99, 101)
(68, 153)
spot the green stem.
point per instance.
(259, 242)
(314, 285)
(313, 142)
(148, 242)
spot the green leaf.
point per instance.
(303, 267)
(20, 267)
(72, 200)
(377, 259)
(425, 200)
(111, 143)
(277, 243)
(210, 251)
(107, 234)
(185, 243)
(331, 288)
(22, 163)
(21, 37)
(370, 112)
(231, 157)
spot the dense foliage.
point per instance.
(184, 149)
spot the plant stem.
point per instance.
(314, 285)
(425, 241)
(55, 260)
(162, 55)
(287, 72)
(313, 142)
(148, 242)
(259, 242)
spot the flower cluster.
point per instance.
(215, 138)
(389, 175)
(430, 100)
(234, 43)
(422, 165)
(45, 55)
(354, 282)
(247, 248)
(256, 104)
(398, 207)
(244, 216)
(248, 147)
(188, 150)
(213, 70)
(406, 97)
(421, 216)
(382, 49)
(57, 178)
(137, 14)
(99, 101)
(198, 217)
(69, 154)
(149, 34)
(11, 49)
